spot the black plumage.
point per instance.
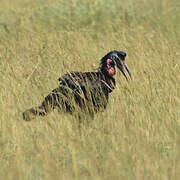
(86, 92)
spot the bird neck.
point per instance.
(108, 80)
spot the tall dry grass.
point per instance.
(137, 136)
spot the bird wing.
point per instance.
(88, 80)
(89, 86)
(73, 80)
(78, 82)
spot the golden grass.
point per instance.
(137, 136)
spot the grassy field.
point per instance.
(137, 136)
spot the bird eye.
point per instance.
(113, 57)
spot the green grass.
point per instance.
(137, 136)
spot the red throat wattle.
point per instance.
(111, 69)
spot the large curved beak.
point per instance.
(122, 66)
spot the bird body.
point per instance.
(82, 91)
(93, 87)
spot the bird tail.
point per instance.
(61, 98)
(32, 113)
(49, 103)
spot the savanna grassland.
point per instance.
(137, 136)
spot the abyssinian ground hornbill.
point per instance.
(86, 92)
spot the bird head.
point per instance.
(113, 59)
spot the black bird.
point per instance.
(86, 92)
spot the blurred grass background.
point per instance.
(137, 136)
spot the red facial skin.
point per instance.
(111, 70)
